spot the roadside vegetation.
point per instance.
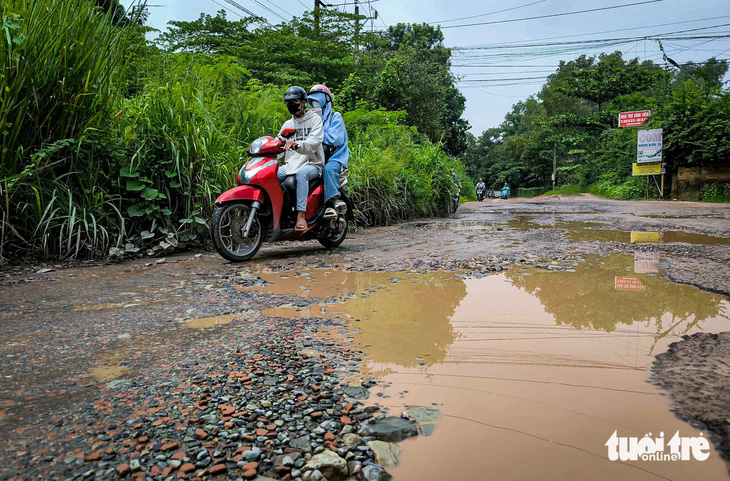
(573, 121)
(113, 145)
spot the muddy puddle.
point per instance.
(643, 237)
(592, 232)
(532, 370)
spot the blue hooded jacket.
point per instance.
(335, 133)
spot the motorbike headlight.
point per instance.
(256, 145)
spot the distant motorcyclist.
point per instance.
(505, 191)
(335, 146)
(480, 187)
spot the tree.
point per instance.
(207, 34)
(599, 82)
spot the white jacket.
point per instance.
(309, 136)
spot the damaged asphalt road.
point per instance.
(197, 368)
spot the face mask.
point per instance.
(293, 107)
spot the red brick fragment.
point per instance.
(93, 457)
(217, 469)
(123, 469)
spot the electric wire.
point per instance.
(273, 12)
(228, 9)
(603, 31)
(490, 13)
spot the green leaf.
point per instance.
(126, 172)
(175, 184)
(149, 193)
(135, 211)
(167, 211)
(147, 234)
(135, 185)
(170, 175)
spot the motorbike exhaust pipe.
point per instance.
(256, 205)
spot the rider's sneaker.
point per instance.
(330, 213)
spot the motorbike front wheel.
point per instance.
(226, 230)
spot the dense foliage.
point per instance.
(114, 145)
(573, 123)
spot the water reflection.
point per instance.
(400, 318)
(549, 364)
(588, 297)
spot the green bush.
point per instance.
(395, 175)
(715, 192)
(632, 188)
(529, 192)
(567, 189)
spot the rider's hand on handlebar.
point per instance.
(291, 145)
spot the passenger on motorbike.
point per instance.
(505, 191)
(304, 153)
(336, 150)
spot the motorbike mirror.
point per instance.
(286, 133)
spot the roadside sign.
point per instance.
(647, 169)
(639, 237)
(634, 119)
(649, 146)
(623, 283)
(646, 263)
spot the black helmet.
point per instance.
(295, 93)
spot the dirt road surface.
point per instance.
(515, 338)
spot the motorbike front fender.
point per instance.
(242, 192)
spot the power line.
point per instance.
(490, 13)
(660, 36)
(503, 79)
(275, 5)
(228, 9)
(241, 7)
(610, 31)
(268, 9)
(562, 14)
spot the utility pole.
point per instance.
(555, 164)
(357, 31)
(357, 28)
(317, 4)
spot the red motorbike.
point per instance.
(261, 209)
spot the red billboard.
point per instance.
(634, 119)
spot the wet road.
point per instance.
(531, 325)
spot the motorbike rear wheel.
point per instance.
(226, 230)
(330, 238)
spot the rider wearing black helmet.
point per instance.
(304, 153)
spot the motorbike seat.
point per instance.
(290, 184)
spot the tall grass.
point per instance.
(98, 159)
(60, 63)
(395, 175)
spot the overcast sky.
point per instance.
(508, 75)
